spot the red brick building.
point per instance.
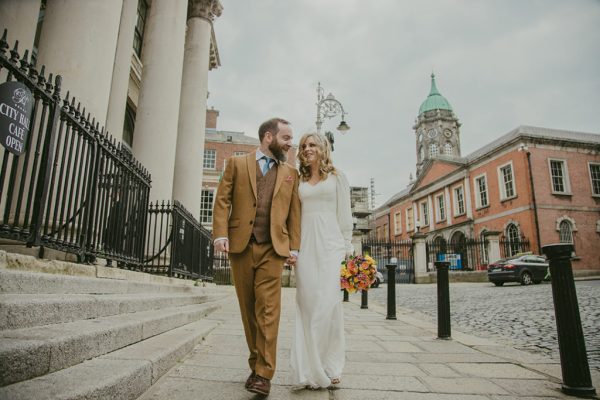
(218, 147)
(538, 184)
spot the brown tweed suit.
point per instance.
(256, 266)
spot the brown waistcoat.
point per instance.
(265, 185)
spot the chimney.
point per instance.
(211, 118)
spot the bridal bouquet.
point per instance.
(357, 273)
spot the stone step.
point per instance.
(27, 310)
(24, 282)
(123, 374)
(33, 352)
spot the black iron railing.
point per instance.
(512, 247)
(466, 254)
(385, 251)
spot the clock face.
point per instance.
(432, 133)
(448, 133)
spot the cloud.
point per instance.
(499, 64)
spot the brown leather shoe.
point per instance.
(260, 386)
(250, 380)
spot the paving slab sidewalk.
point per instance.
(401, 359)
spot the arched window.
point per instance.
(421, 153)
(513, 242)
(433, 150)
(448, 148)
(565, 232)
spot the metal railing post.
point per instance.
(443, 299)
(577, 380)
(364, 299)
(391, 291)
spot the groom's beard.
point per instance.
(277, 151)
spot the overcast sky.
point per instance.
(500, 64)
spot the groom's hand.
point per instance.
(222, 245)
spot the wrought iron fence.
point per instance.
(177, 244)
(509, 248)
(383, 251)
(466, 254)
(74, 188)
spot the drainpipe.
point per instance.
(535, 213)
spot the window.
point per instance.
(559, 177)
(565, 232)
(397, 223)
(512, 234)
(424, 214)
(210, 159)
(239, 153)
(421, 153)
(507, 182)
(386, 231)
(206, 206)
(138, 34)
(409, 219)
(448, 149)
(129, 124)
(433, 150)
(595, 178)
(441, 208)
(459, 201)
(484, 249)
(482, 194)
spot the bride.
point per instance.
(318, 345)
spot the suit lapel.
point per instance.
(280, 175)
(251, 164)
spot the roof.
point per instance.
(214, 135)
(435, 101)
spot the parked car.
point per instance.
(378, 279)
(526, 269)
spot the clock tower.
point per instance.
(436, 129)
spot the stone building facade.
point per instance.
(139, 67)
(531, 183)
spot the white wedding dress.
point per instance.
(318, 343)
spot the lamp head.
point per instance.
(343, 127)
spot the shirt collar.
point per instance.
(260, 154)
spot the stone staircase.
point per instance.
(70, 331)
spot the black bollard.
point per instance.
(443, 299)
(346, 296)
(391, 292)
(364, 299)
(571, 344)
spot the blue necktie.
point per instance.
(265, 167)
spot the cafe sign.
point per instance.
(16, 103)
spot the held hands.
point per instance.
(222, 245)
(291, 260)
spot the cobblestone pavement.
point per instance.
(521, 316)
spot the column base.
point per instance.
(585, 392)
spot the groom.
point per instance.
(256, 220)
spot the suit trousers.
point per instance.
(257, 280)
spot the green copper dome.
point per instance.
(435, 101)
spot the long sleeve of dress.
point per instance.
(344, 211)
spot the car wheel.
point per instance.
(526, 279)
(498, 283)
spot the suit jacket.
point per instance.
(235, 206)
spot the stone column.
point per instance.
(467, 193)
(420, 258)
(120, 76)
(78, 41)
(493, 248)
(155, 134)
(20, 18)
(448, 205)
(187, 179)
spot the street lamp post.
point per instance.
(329, 107)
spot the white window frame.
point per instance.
(397, 223)
(214, 160)
(590, 163)
(457, 211)
(424, 214)
(438, 210)
(478, 203)
(240, 153)
(502, 183)
(566, 180)
(213, 190)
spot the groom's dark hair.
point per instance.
(272, 126)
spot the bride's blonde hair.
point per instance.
(323, 155)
